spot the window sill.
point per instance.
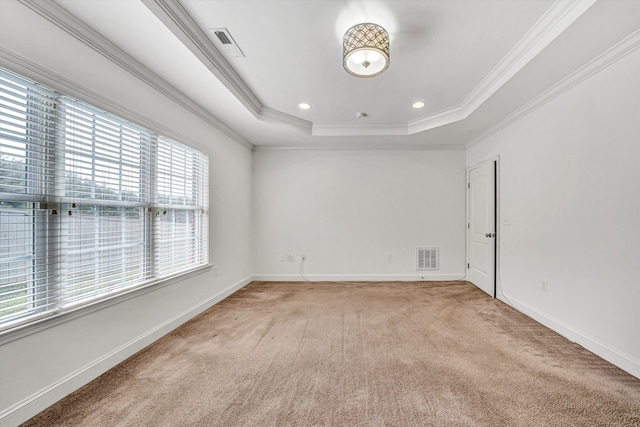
(39, 325)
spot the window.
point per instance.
(91, 205)
(180, 229)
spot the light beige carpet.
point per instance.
(384, 354)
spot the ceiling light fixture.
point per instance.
(304, 106)
(418, 104)
(365, 50)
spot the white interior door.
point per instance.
(482, 227)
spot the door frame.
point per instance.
(496, 266)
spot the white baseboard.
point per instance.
(357, 277)
(46, 397)
(623, 361)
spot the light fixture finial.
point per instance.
(365, 50)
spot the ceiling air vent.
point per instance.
(226, 43)
(222, 36)
(426, 258)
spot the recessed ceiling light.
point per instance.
(418, 104)
(304, 106)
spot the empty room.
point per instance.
(319, 212)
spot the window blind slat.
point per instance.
(26, 130)
(117, 205)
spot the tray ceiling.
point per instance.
(464, 59)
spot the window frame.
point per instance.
(27, 324)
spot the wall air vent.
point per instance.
(223, 39)
(427, 258)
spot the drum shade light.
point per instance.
(365, 50)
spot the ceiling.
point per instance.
(472, 62)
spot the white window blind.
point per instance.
(181, 203)
(107, 174)
(91, 205)
(28, 286)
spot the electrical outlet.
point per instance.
(544, 286)
(215, 270)
(303, 257)
(390, 257)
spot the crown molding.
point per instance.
(66, 21)
(354, 147)
(555, 21)
(270, 115)
(598, 64)
(176, 18)
(441, 118)
(601, 62)
(29, 69)
(348, 129)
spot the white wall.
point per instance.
(38, 369)
(570, 188)
(348, 210)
